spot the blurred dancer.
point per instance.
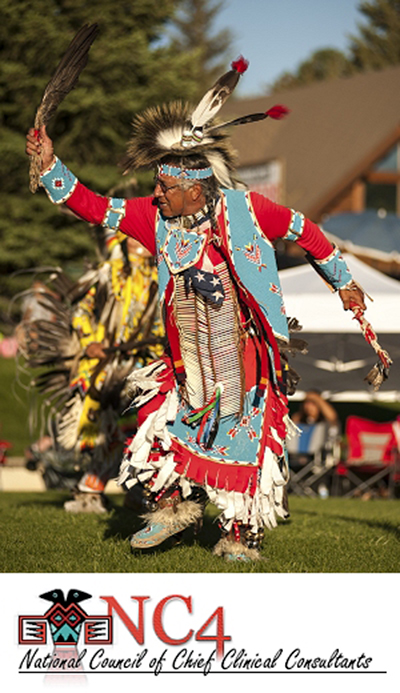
(99, 329)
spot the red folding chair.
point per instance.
(373, 455)
(4, 447)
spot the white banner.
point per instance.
(266, 179)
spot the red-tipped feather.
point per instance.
(277, 112)
(215, 97)
(240, 65)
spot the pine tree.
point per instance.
(379, 42)
(131, 66)
(194, 22)
(324, 64)
(377, 46)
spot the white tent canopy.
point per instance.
(338, 357)
(310, 300)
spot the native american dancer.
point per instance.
(92, 334)
(212, 412)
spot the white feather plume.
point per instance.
(214, 99)
(171, 138)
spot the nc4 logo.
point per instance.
(65, 620)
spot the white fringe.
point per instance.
(142, 383)
(136, 465)
(262, 508)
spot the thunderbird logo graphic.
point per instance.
(65, 620)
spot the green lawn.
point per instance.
(333, 535)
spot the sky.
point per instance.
(277, 35)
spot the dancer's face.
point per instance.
(174, 199)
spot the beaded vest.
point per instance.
(250, 253)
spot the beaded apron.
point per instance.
(210, 343)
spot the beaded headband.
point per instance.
(186, 173)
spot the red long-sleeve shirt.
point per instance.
(139, 220)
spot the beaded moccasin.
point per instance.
(165, 523)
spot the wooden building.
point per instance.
(337, 151)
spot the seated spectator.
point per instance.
(319, 425)
(315, 408)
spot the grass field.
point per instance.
(333, 535)
(322, 536)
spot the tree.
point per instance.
(377, 46)
(379, 42)
(324, 64)
(194, 22)
(130, 67)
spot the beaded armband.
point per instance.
(333, 269)
(296, 226)
(58, 182)
(116, 211)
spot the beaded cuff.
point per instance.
(116, 211)
(58, 182)
(333, 269)
(296, 226)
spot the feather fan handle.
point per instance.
(380, 371)
(34, 167)
(61, 83)
(276, 112)
(212, 101)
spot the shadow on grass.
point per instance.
(123, 522)
(384, 526)
(373, 524)
(42, 499)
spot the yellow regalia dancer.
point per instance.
(107, 324)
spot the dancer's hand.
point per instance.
(38, 142)
(352, 295)
(95, 350)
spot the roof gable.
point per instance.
(335, 130)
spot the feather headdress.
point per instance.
(179, 133)
(63, 80)
(157, 137)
